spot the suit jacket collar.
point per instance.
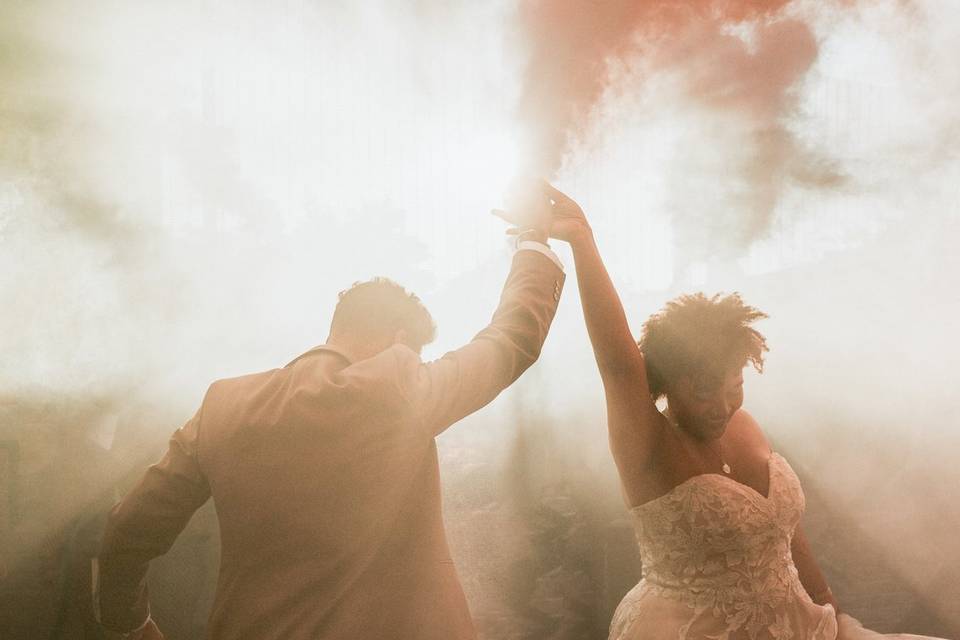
(320, 349)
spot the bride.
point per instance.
(716, 511)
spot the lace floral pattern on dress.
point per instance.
(723, 550)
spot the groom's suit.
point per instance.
(325, 479)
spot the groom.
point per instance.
(324, 474)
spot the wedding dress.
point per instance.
(717, 565)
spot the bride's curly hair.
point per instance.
(697, 335)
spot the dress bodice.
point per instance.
(723, 550)
(712, 532)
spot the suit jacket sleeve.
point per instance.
(465, 380)
(144, 525)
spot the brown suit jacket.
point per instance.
(326, 484)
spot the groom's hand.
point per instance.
(528, 209)
(150, 631)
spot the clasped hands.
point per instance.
(538, 210)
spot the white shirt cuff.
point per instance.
(539, 247)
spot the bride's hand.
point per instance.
(567, 221)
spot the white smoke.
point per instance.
(184, 188)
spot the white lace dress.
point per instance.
(717, 564)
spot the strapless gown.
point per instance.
(717, 565)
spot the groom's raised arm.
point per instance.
(468, 378)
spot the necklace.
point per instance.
(719, 450)
(723, 463)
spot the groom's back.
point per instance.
(327, 491)
(326, 483)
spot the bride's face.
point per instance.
(702, 405)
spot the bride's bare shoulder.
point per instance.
(746, 431)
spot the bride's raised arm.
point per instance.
(634, 422)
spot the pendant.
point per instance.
(726, 468)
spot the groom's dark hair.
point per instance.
(381, 306)
(694, 334)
